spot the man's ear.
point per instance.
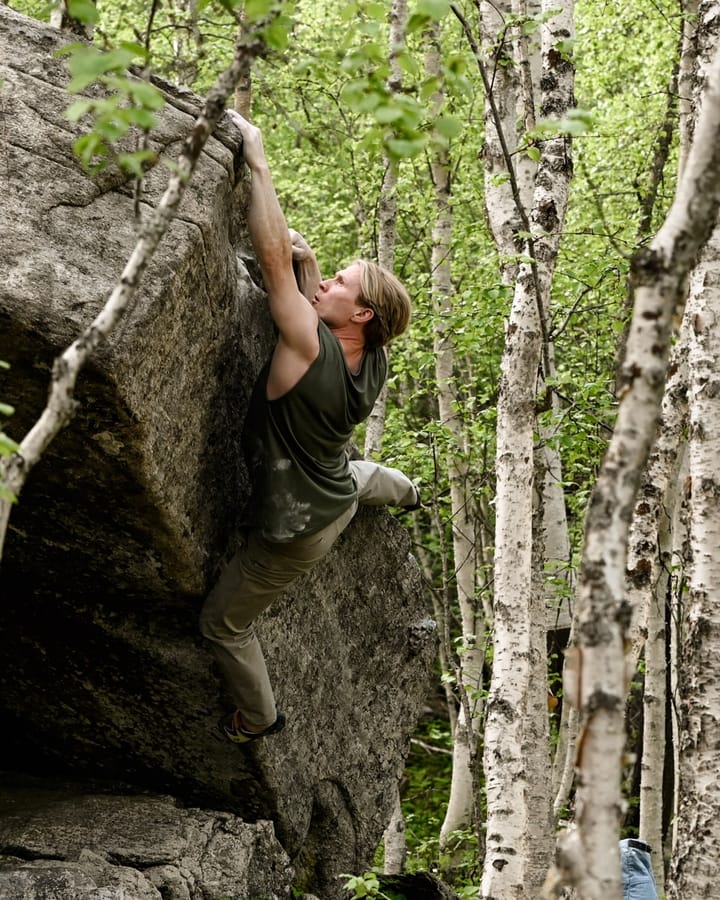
(363, 315)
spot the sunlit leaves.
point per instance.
(124, 104)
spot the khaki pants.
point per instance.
(260, 572)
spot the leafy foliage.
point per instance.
(127, 103)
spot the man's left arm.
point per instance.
(294, 316)
(305, 265)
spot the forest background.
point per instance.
(415, 134)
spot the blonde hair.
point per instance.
(386, 296)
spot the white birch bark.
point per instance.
(696, 860)
(564, 762)
(588, 857)
(536, 747)
(503, 872)
(501, 137)
(511, 715)
(394, 839)
(61, 404)
(375, 425)
(464, 784)
(686, 78)
(648, 568)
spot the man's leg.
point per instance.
(380, 485)
(258, 573)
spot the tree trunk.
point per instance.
(513, 760)
(589, 854)
(394, 840)
(648, 590)
(375, 425)
(464, 785)
(679, 566)
(696, 861)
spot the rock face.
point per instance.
(64, 841)
(118, 531)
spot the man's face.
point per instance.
(336, 300)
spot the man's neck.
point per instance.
(352, 341)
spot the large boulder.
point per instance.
(122, 524)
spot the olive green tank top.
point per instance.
(297, 444)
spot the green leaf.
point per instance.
(387, 113)
(88, 64)
(277, 33)
(435, 9)
(416, 22)
(70, 49)
(258, 9)
(349, 12)
(111, 129)
(86, 148)
(6, 409)
(143, 118)
(448, 126)
(136, 163)
(377, 11)
(533, 153)
(402, 148)
(83, 11)
(408, 63)
(353, 92)
(78, 109)
(135, 48)
(7, 445)
(146, 94)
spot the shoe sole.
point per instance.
(239, 737)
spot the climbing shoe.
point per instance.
(231, 727)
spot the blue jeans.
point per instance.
(637, 876)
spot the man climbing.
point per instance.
(326, 370)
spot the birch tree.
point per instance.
(696, 854)
(387, 207)
(588, 856)
(462, 809)
(516, 752)
(650, 558)
(653, 534)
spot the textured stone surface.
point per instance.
(62, 840)
(114, 541)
